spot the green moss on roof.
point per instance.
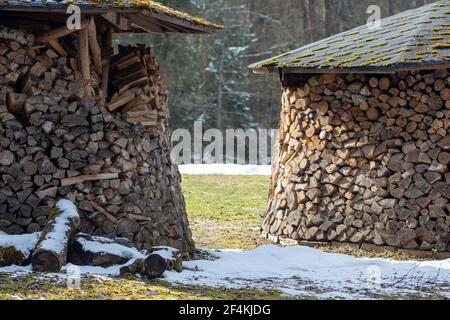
(159, 8)
(152, 6)
(409, 38)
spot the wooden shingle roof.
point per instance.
(415, 38)
(170, 19)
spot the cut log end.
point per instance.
(155, 266)
(46, 261)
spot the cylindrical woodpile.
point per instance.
(112, 159)
(364, 159)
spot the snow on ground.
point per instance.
(311, 272)
(225, 169)
(22, 242)
(300, 271)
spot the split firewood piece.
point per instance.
(94, 46)
(103, 211)
(127, 61)
(58, 47)
(16, 102)
(58, 33)
(50, 254)
(130, 77)
(83, 51)
(16, 249)
(106, 67)
(145, 117)
(140, 100)
(121, 100)
(80, 179)
(91, 250)
(133, 83)
(139, 218)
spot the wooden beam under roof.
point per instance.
(120, 21)
(146, 24)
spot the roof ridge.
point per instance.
(390, 45)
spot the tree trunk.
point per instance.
(91, 250)
(153, 266)
(50, 253)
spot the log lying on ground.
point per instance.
(156, 263)
(90, 250)
(172, 256)
(50, 253)
(16, 249)
(153, 266)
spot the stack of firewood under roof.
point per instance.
(80, 123)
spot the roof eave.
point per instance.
(369, 70)
(180, 25)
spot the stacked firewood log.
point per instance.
(133, 70)
(67, 132)
(364, 159)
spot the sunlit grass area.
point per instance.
(95, 288)
(226, 211)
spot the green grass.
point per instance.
(31, 287)
(226, 211)
(226, 198)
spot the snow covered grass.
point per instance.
(307, 272)
(294, 272)
(225, 169)
(22, 242)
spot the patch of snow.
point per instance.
(22, 242)
(56, 238)
(111, 248)
(307, 271)
(97, 271)
(225, 169)
(165, 252)
(67, 209)
(15, 271)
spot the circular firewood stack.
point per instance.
(75, 129)
(364, 159)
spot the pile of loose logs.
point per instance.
(58, 244)
(64, 136)
(364, 159)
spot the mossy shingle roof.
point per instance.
(87, 6)
(418, 37)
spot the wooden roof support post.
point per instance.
(83, 51)
(94, 46)
(106, 65)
